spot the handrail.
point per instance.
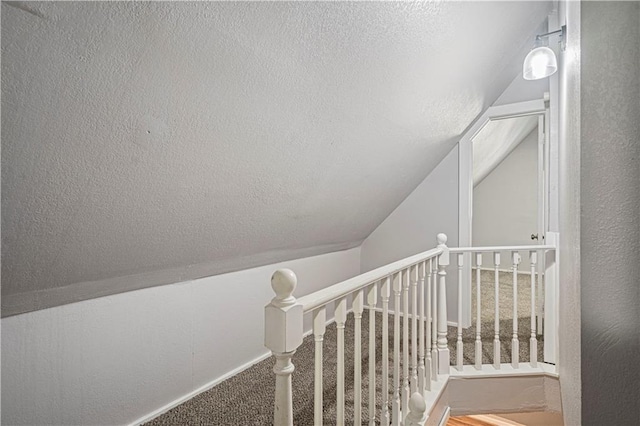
(341, 289)
(500, 248)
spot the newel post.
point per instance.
(283, 335)
(443, 348)
(417, 415)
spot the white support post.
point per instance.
(434, 319)
(417, 415)
(515, 343)
(533, 341)
(406, 390)
(459, 345)
(358, 307)
(541, 271)
(443, 348)
(414, 329)
(283, 335)
(496, 328)
(319, 328)
(421, 336)
(478, 313)
(395, 408)
(384, 294)
(341, 318)
(372, 300)
(428, 373)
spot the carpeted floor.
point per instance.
(247, 398)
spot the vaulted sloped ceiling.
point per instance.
(146, 143)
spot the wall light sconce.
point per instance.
(541, 62)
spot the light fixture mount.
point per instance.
(562, 32)
(541, 61)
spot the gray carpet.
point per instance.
(247, 398)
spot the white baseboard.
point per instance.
(201, 389)
(445, 417)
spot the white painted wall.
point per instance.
(521, 90)
(115, 359)
(502, 394)
(610, 212)
(412, 227)
(505, 202)
(496, 140)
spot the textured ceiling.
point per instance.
(496, 140)
(168, 140)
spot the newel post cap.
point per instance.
(283, 283)
(417, 404)
(417, 410)
(443, 260)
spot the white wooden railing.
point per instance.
(418, 286)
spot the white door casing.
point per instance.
(465, 182)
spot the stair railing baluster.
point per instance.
(341, 318)
(384, 294)
(533, 342)
(459, 346)
(319, 328)
(372, 300)
(443, 348)
(397, 289)
(428, 362)
(434, 321)
(478, 312)
(357, 307)
(405, 341)
(515, 343)
(421, 336)
(413, 380)
(496, 329)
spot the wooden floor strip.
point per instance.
(467, 421)
(481, 420)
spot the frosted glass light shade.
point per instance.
(540, 63)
